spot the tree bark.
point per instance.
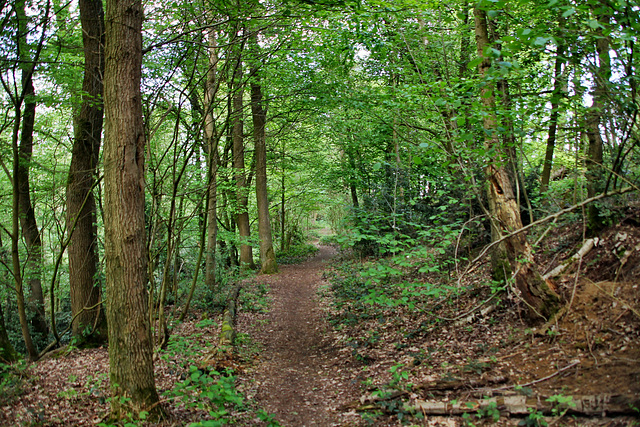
(15, 240)
(242, 198)
(211, 148)
(130, 343)
(81, 205)
(514, 258)
(594, 173)
(558, 82)
(28, 223)
(8, 353)
(267, 255)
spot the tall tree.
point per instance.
(239, 173)
(30, 230)
(81, 205)
(130, 342)
(211, 148)
(268, 263)
(559, 78)
(602, 74)
(514, 257)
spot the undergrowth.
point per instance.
(296, 254)
(12, 381)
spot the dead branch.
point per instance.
(548, 377)
(523, 405)
(549, 218)
(585, 249)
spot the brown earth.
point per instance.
(301, 376)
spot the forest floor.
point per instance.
(307, 360)
(399, 367)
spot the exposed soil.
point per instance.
(301, 376)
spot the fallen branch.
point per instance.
(523, 405)
(548, 218)
(548, 377)
(585, 249)
(387, 394)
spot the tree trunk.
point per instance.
(81, 205)
(28, 223)
(514, 258)
(130, 344)
(8, 353)
(267, 255)
(242, 198)
(211, 148)
(558, 82)
(15, 241)
(594, 174)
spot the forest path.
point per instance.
(300, 377)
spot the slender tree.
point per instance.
(595, 114)
(130, 343)
(211, 148)
(268, 264)
(30, 230)
(239, 173)
(559, 78)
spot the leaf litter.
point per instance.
(307, 362)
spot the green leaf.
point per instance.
(474, 63)
(377, 166)
(540, 41)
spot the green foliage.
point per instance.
(534, 419)
(296, 253)
(399, 382)
(12, 381)
(561, 404)
(255, 298)
(210, 391)
(490, 410)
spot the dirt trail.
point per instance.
(300, 377)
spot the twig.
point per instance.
(616, 299)
(575, 283)
(470, 311)
(548, 377)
